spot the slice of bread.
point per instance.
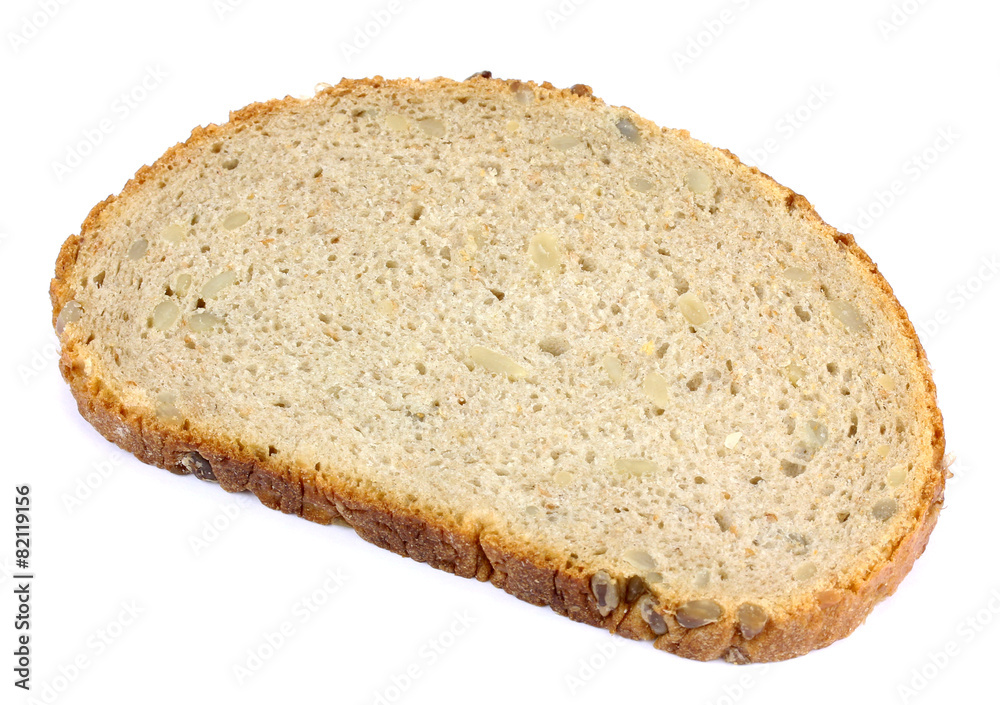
(526, 337)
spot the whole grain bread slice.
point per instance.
(523, 336)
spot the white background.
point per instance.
(886, 84)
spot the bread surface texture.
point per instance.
(523, 336)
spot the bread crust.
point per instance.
(466, 548)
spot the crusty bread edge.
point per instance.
(522, 569)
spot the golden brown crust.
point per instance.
(521, 569)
